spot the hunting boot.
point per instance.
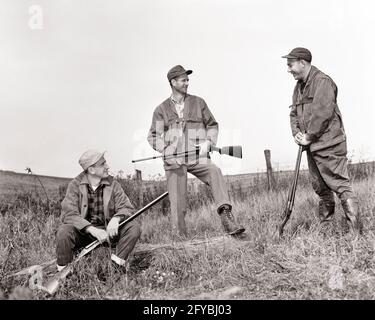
(326, 210)
(227, 220)
(350, 207)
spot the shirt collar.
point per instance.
(308, 76)
(175, 101)
(103, 181)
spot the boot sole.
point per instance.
(237, 231)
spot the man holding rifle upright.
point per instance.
(316, 123)
(94, 206)
(183, 123)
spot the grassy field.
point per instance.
(12, 183)
(312, 261)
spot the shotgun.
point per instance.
(53, 284)
(292, 193)
(233, 151)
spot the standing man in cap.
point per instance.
(182, 123)
(92, 209)
(316, 124)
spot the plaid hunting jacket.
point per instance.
(170, 134)
(74, 209)
(315, 111)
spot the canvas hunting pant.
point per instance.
(70, 239)
(208, 173)
(329, 173)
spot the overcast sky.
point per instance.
(90, 73)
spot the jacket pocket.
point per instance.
(195, 130)
(173, 133)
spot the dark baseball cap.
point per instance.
(299, 53)
(177, 71)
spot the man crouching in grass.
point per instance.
(94, 206)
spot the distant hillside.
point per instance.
(13, 182)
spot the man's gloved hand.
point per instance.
(301, 139)
(112, 227)
(204, 148)
(100, 234)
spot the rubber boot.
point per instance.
(227, 220)
(326, 210)
(350, 207)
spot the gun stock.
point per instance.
(233, 151)
(285, 217)
(29, 270)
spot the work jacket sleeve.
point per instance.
(212, 127)
(70, 211)
(123, 207)
(156, 133)
(322, 109)
(294, 124)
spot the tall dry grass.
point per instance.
(313, 261)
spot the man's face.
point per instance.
(296, 67)
(181, 83)
(100, 169)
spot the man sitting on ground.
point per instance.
(94, 206)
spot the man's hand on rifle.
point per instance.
(301, 139)
(112, 228)
(100, 234)
(204, 148)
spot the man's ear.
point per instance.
(90, 170)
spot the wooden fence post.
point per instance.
(270, 176)
(138, 178)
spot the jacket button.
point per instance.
(85, 205)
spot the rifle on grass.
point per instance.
(233, 151)
(53, 284)
(292, 194)
(31, 269)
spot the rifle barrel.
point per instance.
(185, 153)
(149, 158)
(296, 175)
(233, 151)
(146, 207)
(292, 193)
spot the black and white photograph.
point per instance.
(193, 150)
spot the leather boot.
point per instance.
(350, 207)
(227, 220)
(326, 210)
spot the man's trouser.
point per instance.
(208, 173)
(70, 239)
(329, 173)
